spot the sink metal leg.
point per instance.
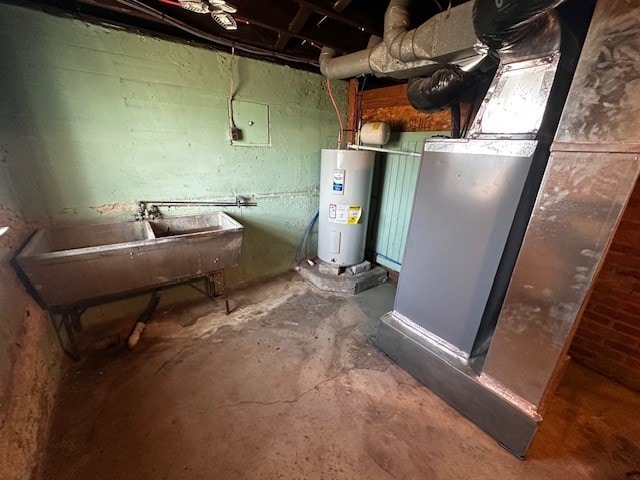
(216, 286)
(66, 322)
(76, 321)
(224, 292)
(68, 326)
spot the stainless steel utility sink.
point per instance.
(79, 237)
(167, 227)
(80, 265)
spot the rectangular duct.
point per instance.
(568, 212)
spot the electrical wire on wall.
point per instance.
(335, 106)
(234, 133)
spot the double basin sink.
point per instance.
(73, 266)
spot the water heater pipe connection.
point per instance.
(352, 146)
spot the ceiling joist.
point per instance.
(296, 25)
(289, 31)
(354, 19)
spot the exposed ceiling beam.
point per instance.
(296, 25)
(320, 39)
(277, 16)
(288, 31)
(340, 5)
(353, 20)
(247, 11)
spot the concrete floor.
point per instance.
(288, 387)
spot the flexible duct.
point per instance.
(502, 24)
(506, 25)
(442, 90)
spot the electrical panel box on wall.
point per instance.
(252, 121)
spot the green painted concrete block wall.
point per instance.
(96, 119)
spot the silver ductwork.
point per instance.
(346, 66)
(446, 38)
(471, 328)
(396, 27)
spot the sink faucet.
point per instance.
(147, 212)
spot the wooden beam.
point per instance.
(408, 119)
(296, 25)
(352, 109)
(246, 11)
(276, 18)
(385, 97)
(340, 5)
(354, 20)
(390, 105)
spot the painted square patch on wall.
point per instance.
(252, 119)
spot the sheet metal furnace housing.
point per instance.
(506, 240)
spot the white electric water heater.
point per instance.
(345, 193)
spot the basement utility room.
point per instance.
(345, 239)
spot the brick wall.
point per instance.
(608, 338)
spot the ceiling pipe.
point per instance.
(446, 38)
(434, 39)
(346, 66)
(353, 146)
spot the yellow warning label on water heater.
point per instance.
(345, 214)
(355, 212)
